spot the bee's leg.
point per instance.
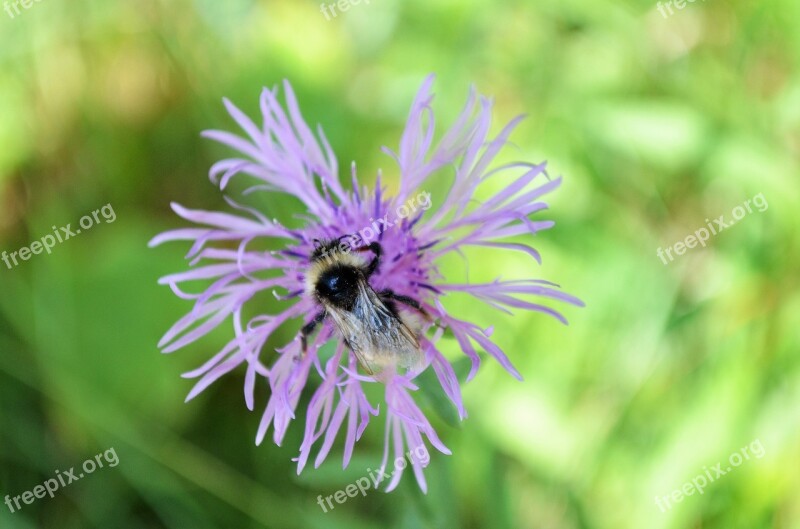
(411, 302)
(308, 328)
(373, 265)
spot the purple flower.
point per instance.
(283, 155)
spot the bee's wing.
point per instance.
(408, 335)
(376, 336)
(362, 361)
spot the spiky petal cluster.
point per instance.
(282, 155)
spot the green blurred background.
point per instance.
(656, 122)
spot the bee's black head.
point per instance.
(339, 286)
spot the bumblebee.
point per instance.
(369, 322)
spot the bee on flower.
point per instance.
(362, 273)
